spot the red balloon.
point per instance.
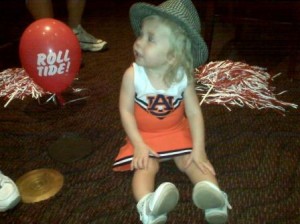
(50, 53)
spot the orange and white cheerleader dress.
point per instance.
(160, 118)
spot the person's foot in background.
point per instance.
(87, 41)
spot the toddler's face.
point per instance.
(152, 46)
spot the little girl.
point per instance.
(161, 115)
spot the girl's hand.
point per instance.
(200, 159)
(141, 157)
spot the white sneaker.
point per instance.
(153, 207)
(87, 41)
(207, 195)
(218, 215)
(9, 193)
(212, 200)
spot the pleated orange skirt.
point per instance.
(168, 135)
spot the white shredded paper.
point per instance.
(230, 83)
(15, 83)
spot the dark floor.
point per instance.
(255, 152)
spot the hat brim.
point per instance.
(139, 11)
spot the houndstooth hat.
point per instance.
(181, 12)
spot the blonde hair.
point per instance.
(181, 51)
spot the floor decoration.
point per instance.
(15, 83)
(38, 185)
(230, 83)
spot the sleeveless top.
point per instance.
(160, 118)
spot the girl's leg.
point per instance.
(193, 172)
(206, 192)
(144, 180)
(153, 206)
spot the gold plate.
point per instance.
(38, 185)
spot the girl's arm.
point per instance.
(196, 123)
(126, 107)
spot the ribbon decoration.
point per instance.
(15, 83)
(230, 83)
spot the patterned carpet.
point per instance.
(255, 152)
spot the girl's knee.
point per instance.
(153, 165)
(151, 169)
(180, 162)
